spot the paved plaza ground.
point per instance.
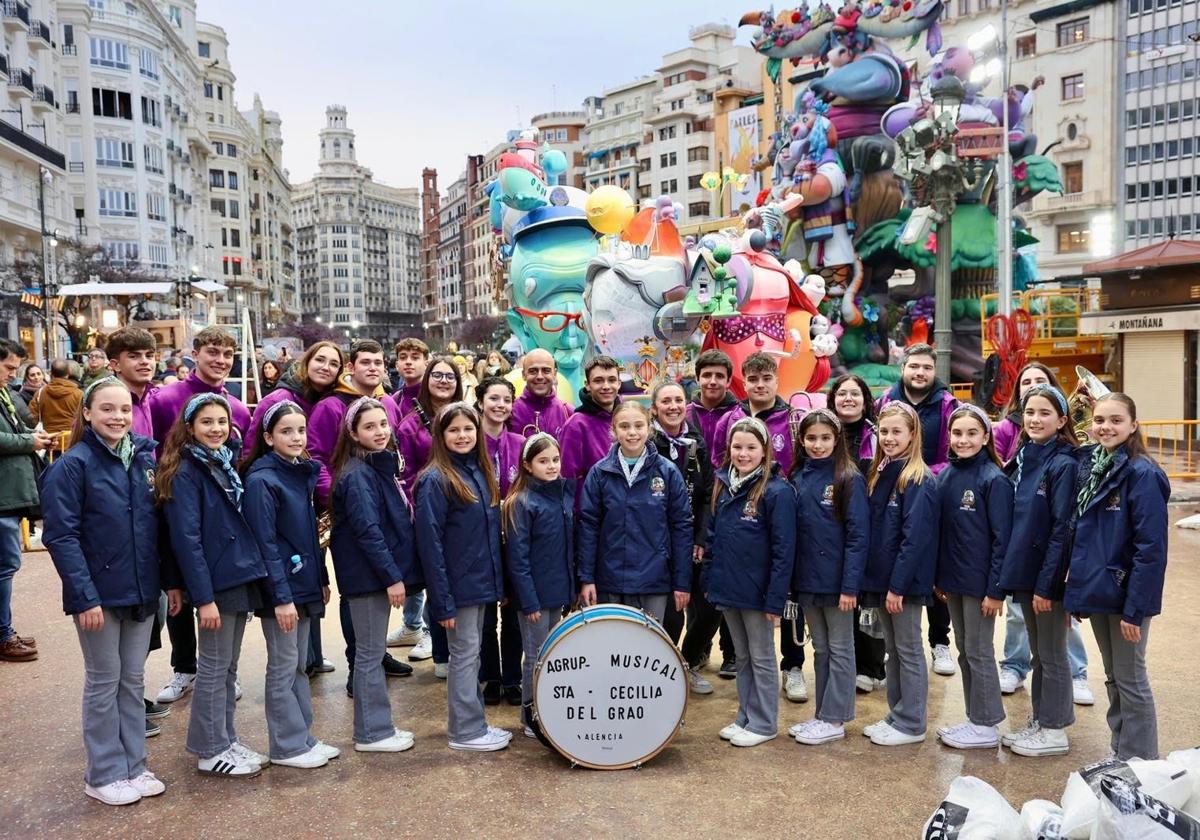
(699, 787)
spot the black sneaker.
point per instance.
(152, 728)
(350, 683)
(393, 667)
(492, 693)
(512, 695)
(728, 668)
(155, 711)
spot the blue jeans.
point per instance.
(1016, 645)
(414, 609)
(10, 562)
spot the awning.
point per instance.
(1158, 255)
(209, 287)
(118, 289)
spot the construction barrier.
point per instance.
(1173, 443)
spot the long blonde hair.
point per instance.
(915, 471)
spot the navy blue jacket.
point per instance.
(372, 539)
(695, 465)
(635, 540)
(101, 525)
(278, 506)
(540, 545)
(976, 503)
(214, 547)
(1040, 546)
(1119, 558)
(458, 543)
(830, 555)
(749, 557)
(904, 535)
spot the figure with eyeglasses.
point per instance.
(539, 408)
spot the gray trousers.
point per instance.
(753, 637)
(211, 730)
(1131, 715)
(533, 636)
(1050, 691)
(973, 635)
(832, 633)
(288, 701)
(907, 674)
(114, 716)
(655, 605)
(372, 710)
(464, 695)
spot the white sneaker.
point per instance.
(422, 649)
(872, 728)
(1010, 681)
(237, 689)
(249, 754)
(746, 738)
(228, 763)
(795, 687)
(820, 732)
(179, 685)
(948, 730)
(796, 728)
(943, 661)
(147, 784)
(892, 737)
(328, 750)
(698, 684)
(529, 733)
(729, 731)
(119, 792)
(398, 741)
(972, 737)
(500, 733)
(441, 670)
(487, 742)
(1010, 738)
(1042, 742)
(1082, 692)
(865, 685)
(315, 757)
(403, 637)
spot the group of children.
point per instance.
(430, 495)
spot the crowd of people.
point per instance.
(484, 519)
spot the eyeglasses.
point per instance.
(442, 375)
(552, 321)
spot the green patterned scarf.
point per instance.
(1102, 461)
(124, 450)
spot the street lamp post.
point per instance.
(45, 179)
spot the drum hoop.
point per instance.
(583, 622)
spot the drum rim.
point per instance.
(634, 616)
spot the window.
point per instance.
(1072, 32)
(208, 90)
(112, 103)
(216, 178)
(667, 133)
(235, 238)
(148, 63)
(233, 181)
(1072, 87)
(109, 53)
(1160, 114)
(234, 210)
(697, 153)
(114, 153)
(964, 7)
(151, 111)
(1072, 174)
(231, 150)
(117, 203)
(694, 182)
(668, 159)
(1026, 46)
(159, 256)
(121, 252)
(203, 48)
(175, 16)
(153, 158)
(1072, 239)
(217, 205)
(156, 207)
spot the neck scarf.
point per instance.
(677, 442)
(737, 480)
(1020, 466)
(7, 403)
(631, 472)
(124, 450)
(1102, 461)
(220, 462)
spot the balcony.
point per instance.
(1046, 203)
(170, 145)
(16, 15)
(72, 107)
(43, 98)
(4, 65)
(69, 49)
(20, 83)
(39, 36)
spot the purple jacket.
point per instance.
(934, 413)
(707, 419)
(413, 442)
(324, 426)
(143, 422)
(1005, 435)
(782, 423)
(505, 452)
(167, 402)
(586, 438)
(532, 414)
(277, 396)
(404, 399)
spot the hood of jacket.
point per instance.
(587, 405)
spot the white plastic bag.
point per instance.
(973, 810)
(1160, 779)
(1190, 761)
(1041, 819)
(1129, 813)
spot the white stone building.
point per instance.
(614, 131)
(453, 229)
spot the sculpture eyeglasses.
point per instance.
(552, 321)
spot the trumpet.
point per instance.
(1088, 389)
(324, 529)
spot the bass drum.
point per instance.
(609, 689)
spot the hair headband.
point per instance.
(355, 407)
(529, 443)
(905, 407)
(754, 423)
(456, 405)
(273, 410)
(827, 415)
(199, 401)
(103, 382)
(978, 412)
(1044, 390)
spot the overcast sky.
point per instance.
(427, 82)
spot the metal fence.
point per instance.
(1173, 443)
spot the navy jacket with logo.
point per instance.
(278, 505)
(372, 537)
(213, 546)
(635, 540)
(904, 535)
(749, 556)
(102, 525)
(458, 542)
(540, 545)
(1119, 557)
(830, 555)
(976, 502)
(1044, 503)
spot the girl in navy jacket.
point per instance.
(280, 479)
(750, 551)
(102, 531)
(539, 539)
(975, 498)
(372, 547)
(1118, 564)
(898, 581)
(831, 514)
(1035, 565)
(458, 541)
(201, 495)
(635, 525)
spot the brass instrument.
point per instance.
(324, 529)
(1087, 391)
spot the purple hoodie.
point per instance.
(143, 422)
(934, 413)
(586, 438)
(505, 452)
(413, 442)
(167, 402)
(404, 399)
(276, 396)
(325, 424)
(1005, 435)
(707, 419)
(532, 414)
(778, 421)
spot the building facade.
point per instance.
(563, 130)
(614, 131)
(453, 225)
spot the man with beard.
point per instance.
(539, 409)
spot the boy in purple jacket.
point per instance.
(761, 375)
(131, 359)
(412, 355)
(587, 434)
(539, 409)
